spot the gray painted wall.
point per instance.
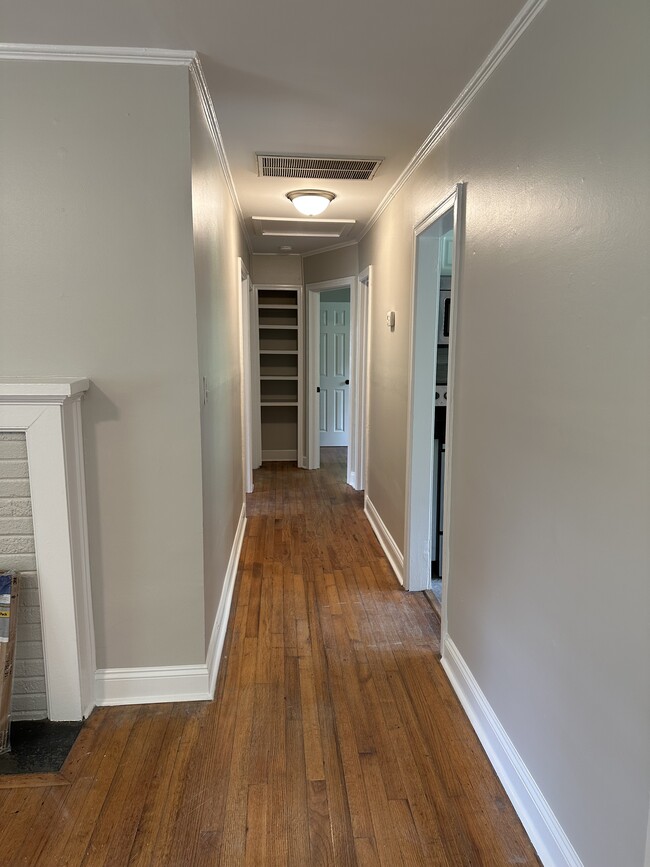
(331, 265)
(218, 241)
(97, 280)
(549, 595)
(281, 270)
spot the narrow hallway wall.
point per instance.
(549, 595)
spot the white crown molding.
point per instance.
(547, 835)
(200, 83)
(517, 28)
(96, 54)
(388, 544)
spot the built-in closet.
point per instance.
(280, 341)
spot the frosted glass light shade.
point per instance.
(310, 202)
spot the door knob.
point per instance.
(347, 382)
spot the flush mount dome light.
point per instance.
(310, 202)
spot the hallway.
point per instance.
(335, 737)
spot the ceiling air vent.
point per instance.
(316, 168)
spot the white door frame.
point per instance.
(359, 442)
(256, 397)
(424, 316)
(357, 365)
(245, 360)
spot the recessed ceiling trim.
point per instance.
(302, 220)
(301, 227)
(308, 167)
(269, 233)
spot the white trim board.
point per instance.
(96, 54)
(49, 413)
(546, 833)
(218, 637)
(517, 28)
(157, 684)
(196, 71)
(388, 544)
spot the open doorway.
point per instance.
(335, 373)
(435, 295)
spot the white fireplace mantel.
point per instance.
(48, 410)
(51, 389)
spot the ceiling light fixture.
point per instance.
(310, 202)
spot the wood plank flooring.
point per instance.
(334, 738)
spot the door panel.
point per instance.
(334, 371)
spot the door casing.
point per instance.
(421, 406)
(358, 366)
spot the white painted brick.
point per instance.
(28, 598)
(28, 581)
(18, 562)
(28, 632)
(16, 488)
(16, 526)
(29, 650)
(31, 702)
(28, 615)
(13, 470)
(29, 715)
(13, 545)
(29, 685)
(17, 552)
(29, 668)
(13, 450)
(15, 507)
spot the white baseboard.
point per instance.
(118, 686)
(546, 833)
(151, 685)
(218, 637)
(280, 455)
(392, 552)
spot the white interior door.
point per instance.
(334, 372)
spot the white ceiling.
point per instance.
(347, 77)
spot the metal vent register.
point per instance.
(317, 168)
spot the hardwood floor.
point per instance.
(334, 738)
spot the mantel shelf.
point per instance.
(44, 388)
